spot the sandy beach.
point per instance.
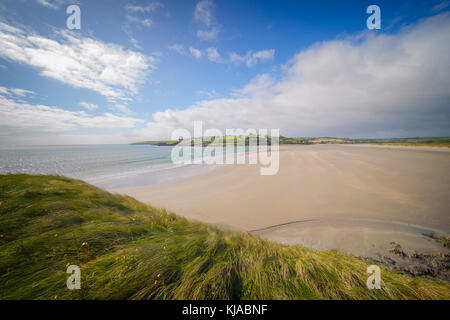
(358, 198)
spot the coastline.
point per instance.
(376, 186)
(156, 177)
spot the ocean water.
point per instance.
(106, 166)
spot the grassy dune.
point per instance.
(128, 250)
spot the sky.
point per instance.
(139, 70)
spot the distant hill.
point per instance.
(245, 140)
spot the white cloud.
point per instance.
(208, 94)
(373, 85)
(440, 6)
(195, 52)
(122, 108)
(213, 55)
(89, 106)
(257, 86)
(252, 59)
(15, 92)
(178, 48)
(135, 43)
(46, 3)
(203, 12)
(133, 12)
(55, 4)
(204, 16)
(78, 61)
(264, 55)
(147, 22)
(19, 117)
(261, 56)
(143, 9)
(210, 34)
(236, 58)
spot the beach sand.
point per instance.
(361, 199)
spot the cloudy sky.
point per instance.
(137, 70)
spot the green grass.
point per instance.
(244, 140)
(417, 144)
(135, 251)
(158, 143)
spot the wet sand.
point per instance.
(358, 198)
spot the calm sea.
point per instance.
(106, 166)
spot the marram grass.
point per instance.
(128, 250)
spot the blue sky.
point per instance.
(140, 69)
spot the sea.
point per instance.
(106, 166)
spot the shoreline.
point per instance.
(157, 177)
(178, 173)
(385, 184)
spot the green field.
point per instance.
(244, 140)
(417, 144)
(158, 143)
(128, 250)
